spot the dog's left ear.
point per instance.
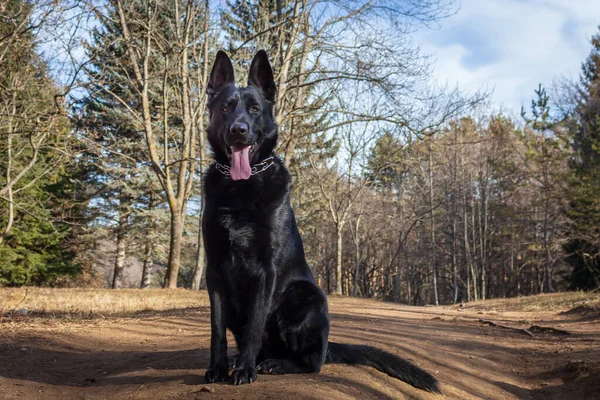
(261, 76)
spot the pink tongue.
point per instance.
(240, 164)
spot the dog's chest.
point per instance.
(242, 227)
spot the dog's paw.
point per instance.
(243, 375)
(214, 375)
(271, 366)
(232, 361)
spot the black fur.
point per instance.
(259, 283)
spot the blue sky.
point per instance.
(510, 46)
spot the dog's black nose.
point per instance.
(239, 129)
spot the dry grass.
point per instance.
(106, 302)
(556, 302)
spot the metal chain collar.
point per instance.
(256, 168)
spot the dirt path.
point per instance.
(164, 356)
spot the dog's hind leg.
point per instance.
(303, 328)
(279, 366)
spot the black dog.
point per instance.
(259, 283)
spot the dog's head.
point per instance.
(242, 130)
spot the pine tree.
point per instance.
(252, 25)
(545, 161)
(160, 59)
(120, 185)
(584, 191)
(37, 181)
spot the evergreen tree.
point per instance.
(252, 25)
(149, 105)
(545, 155)
(584, 192)
(121, 186)
(38, 180)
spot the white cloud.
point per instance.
(512, 45)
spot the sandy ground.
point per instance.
(163, 355)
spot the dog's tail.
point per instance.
(383, 361)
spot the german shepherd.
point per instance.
(259, 283)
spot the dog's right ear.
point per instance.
(221, 74)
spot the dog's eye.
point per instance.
(225, 108)
(254, 109)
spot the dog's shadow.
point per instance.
(56, 365)
(51, 364)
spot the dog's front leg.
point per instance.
(218, 370)
(245, 370)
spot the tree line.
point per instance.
(403, 190)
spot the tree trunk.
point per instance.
(433, 244)
(396, 294)
(200, 260)
(148, 262)
(203, 79)
(468, 257)
(9, 160)
(338, 259)
(119, 263)
(467, 252)
(483, 228)
(454, 267)
(356, 267)
(454, 215)
(408, 278)
(356, 240)
(121, 231)
(474, 244)
(200, 255)
(149, 250)
(549, 288)
(11, 209)
(174, 249)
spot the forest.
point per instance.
(404, 190)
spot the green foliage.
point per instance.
(584, 182)
(385, 162)
(38, 247)
(36, 254)
(540, 110)
(117, 181)
(248, 26)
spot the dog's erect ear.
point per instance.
(221, 74)
(261, 76)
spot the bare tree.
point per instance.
(166, 52)
(341, 188)
(201, 52)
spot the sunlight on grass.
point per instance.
(97, 301)
(109, 302)
(542, 302)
